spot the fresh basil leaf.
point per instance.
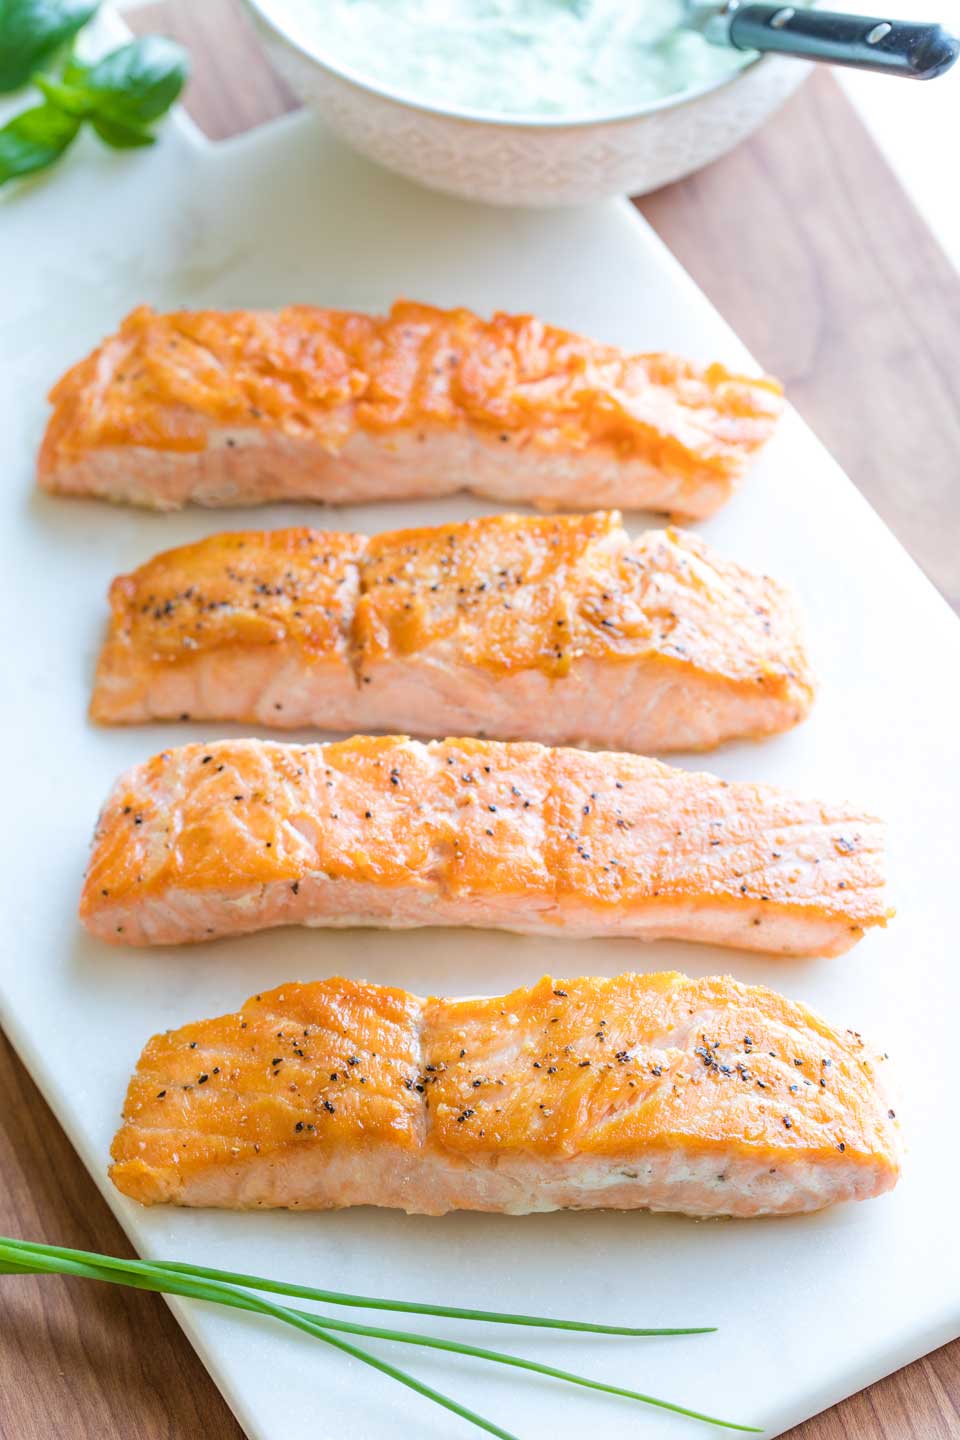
(31, 29)
(74, 71)
(34, 139)
(66, 97)
(137, 83)
(121, 137)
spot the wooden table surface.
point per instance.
(805, 242)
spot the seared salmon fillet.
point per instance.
(246, 407)
(561, 629)
(650, 1092)
(222, 839)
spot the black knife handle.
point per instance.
(897, 47)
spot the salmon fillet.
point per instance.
(562, 630)
(248, 407)
(650, 1092)
(222, 839)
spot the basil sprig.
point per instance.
(34, 139)
(121, 96)
(31, 31)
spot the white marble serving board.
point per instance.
(809, 1309)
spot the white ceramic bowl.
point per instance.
(530, 160)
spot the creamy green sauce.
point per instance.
(509, 57)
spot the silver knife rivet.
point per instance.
(782, 17)
(879, 32)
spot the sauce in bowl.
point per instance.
(550, 58)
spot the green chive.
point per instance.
(366, 1302)
(239, 1300)
(195, 1282)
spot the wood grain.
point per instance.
(806, 243)
(81, 1361)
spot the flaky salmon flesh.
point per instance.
(524, 628)
(237, 836)
(650, 1092)
(246, 407)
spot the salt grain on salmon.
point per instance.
(237, 836)
(248, 407)
(643, 1092)
(562, 630)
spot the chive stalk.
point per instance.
(227, 1288)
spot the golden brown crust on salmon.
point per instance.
(645, 1091)
(246, 406)
(237, 836)
(559, 629)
